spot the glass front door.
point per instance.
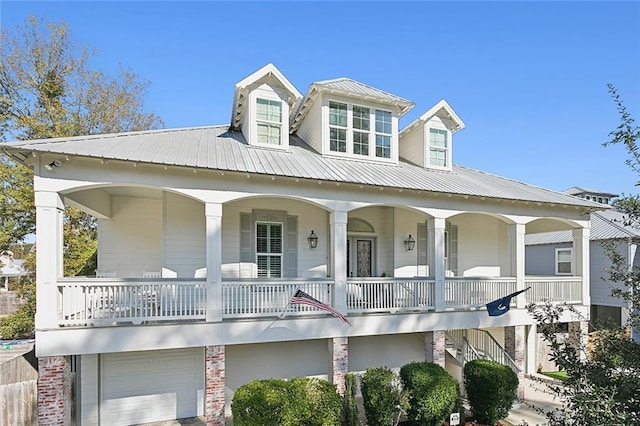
(360, 257)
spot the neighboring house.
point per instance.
(9, 268)
(205, 234)
(552, 254)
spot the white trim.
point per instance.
(557, 251)
(439, 109)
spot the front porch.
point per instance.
(112, 301)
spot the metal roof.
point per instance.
(605, 225)
(218, 148)
(347, 85)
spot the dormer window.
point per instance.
(354, 129)
(438, 148)
(269, 121)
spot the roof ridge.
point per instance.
(613, 223)
(365, 85)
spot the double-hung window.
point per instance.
(438, 148)
(269, 121)
(338, 127)
(383, 134)
(563, 261)
(269, 249)
(361, 127)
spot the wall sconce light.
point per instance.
(51, 165)
(313, 240)
(409, 243)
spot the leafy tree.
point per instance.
(48, 89)
(603, 385)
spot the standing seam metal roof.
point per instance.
(218, 148)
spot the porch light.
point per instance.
(313, 240)
(409, 243)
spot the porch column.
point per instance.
(339, 349)
(435, 244)
(49, 216)
(215, 382)
(339, 254)
(213, 212)
(514, 345)
(435, 347)
(55, 399)
(579, 337)
(532, 349)
(516, 237)
(581, 259)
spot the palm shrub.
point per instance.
(433, 393)
(382, 396)
(491, 389)
(350, 406)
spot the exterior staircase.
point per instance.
(472, 344)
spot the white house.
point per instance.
(205, 234)
(551, 253)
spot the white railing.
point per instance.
(464, 293)
(390, 295)
(107, 300)
(554, 289)
(474, 344)
(270, 298)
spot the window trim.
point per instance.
(446, 149)
(557, 262)
(269, 123)
(270, 254)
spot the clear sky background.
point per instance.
(527, 78)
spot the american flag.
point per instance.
(302, 298)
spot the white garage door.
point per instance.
(140, 387)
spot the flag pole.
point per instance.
(284, 311)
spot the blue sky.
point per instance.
(527, 78)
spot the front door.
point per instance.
(360, 256)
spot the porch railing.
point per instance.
(106, 300)
(554, 289)
(390, 294)
(465, 293)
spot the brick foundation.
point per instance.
(215, 385)
(55, 391)
(339, 347)
(435, 346)
(515, 346)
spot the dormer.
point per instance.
(261, 106)
(349, 119)
(428, 141)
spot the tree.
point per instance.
(603, 385)
(48, 89)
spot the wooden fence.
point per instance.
(18, 403)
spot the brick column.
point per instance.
(55, 396)
(339, 348)
(514, 345)
(215, 385)
(435, 346)
(578, 337)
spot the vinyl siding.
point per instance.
(310, 130)
(482, 246)
(185, 235)
(412, 146)
(89, 390)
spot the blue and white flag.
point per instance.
(500, 306)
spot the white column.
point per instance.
(49, 237)
(339, 254)
(531, 357)
(581, 260)
(213, 212)
(516, 234)
(435, 248)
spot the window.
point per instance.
(438, 148)
(563, 261)
(269, 121)
(383, 134)
(269, 249)
(354, 129)
(337, 127)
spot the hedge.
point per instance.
(491, 389)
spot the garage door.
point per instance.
(140, 387)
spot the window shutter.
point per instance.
(291, 248)
(246, 242)
(422, 250)
(453, 249)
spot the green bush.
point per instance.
(433, 393)
(300, 401)
(491, 389)
(350, 406)
(381, 395)
(19, 324)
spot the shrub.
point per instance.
(433, 393)
(381, 395)
(301, 401)
(491, 389)
(350, 406)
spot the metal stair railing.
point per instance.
(478, 344)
